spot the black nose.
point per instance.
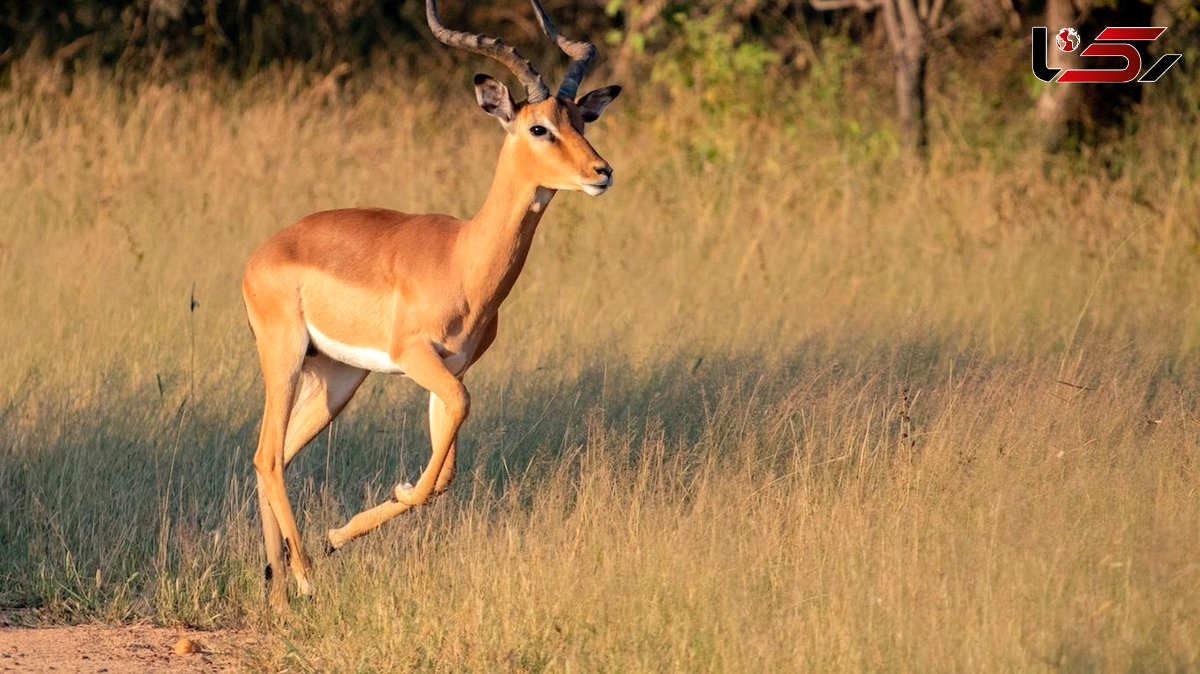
(604, 170)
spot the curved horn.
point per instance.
(535, 88)
(581, 53)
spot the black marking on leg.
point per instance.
(268, 573)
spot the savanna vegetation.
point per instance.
(789, 398)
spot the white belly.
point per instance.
(373, 359)
(367, 359)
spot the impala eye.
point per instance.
(538, 130)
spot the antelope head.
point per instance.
(545, 141)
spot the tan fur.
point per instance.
(423, 289)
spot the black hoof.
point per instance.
(329, 549)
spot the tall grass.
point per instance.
(781, 401)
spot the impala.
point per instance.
(347, 292)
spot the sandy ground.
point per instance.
(119, 650)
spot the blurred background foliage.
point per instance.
(731, 55)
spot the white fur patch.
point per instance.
(367, 359)
(455, 362)
(540, 199)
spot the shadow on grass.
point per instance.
(143, 504)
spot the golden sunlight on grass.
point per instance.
(776, 403)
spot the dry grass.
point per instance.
(779, 402)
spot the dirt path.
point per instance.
(129, 649)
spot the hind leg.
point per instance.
(273, 544)
(281, 337)
(281, 354)
(324, 386)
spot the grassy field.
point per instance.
(782, 400)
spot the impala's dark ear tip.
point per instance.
(480, 78)
(593, 103)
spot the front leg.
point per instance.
(423, 365)
(449, 406)
(438, 418)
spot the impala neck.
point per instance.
(499, 236)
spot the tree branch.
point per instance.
(910, 19)
(892, 25)
(834, 5)
(935, 16)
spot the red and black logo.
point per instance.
(1116, 42)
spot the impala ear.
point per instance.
(593, 103)
(494, 98)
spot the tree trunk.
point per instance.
(908, 36)
(909, 25)
(1093, 113)
(1058, 103)
(910, 97)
